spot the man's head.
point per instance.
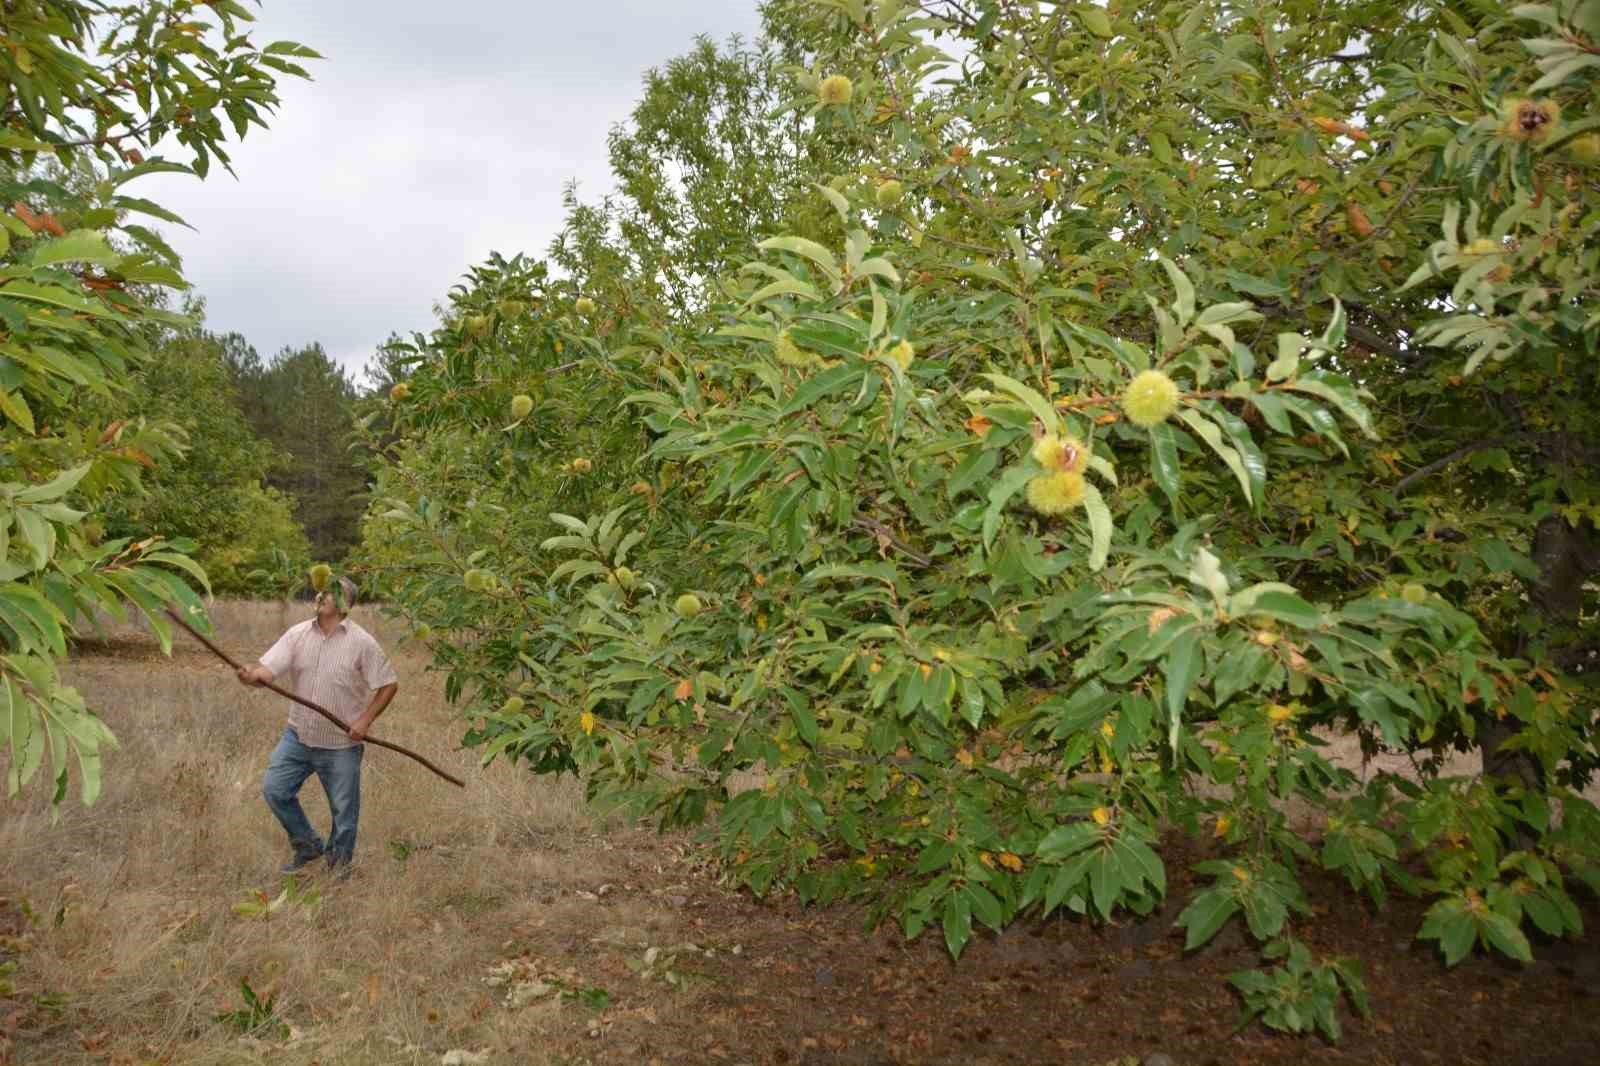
(338, 599)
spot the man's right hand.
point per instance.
(248, 676)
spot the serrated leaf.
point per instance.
(836, 198)
(1339, 392)
(1208, 431)
(1000, 493)
(806, 249)
(1095, 20)
(1206, 571)
(1205, 915)
(783, 287)
(1100, 527)
(1183, 305)
(1164, 467)
(1030, 398)
(1290, 345)
(1181, 669)
(81, 245)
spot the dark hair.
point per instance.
(351, 594)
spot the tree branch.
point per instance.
(1437, 465)
(886, 537)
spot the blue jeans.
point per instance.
(339, 770)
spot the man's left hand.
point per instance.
(358, 729)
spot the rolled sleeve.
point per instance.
(376, 669)
(280, 657)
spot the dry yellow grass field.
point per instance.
(135, 944)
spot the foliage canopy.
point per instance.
(1129, 400)
(86, 89)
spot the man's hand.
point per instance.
(380, 699)
(253, 675)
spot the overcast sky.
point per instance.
(432, 134)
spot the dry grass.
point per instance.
(148, 947)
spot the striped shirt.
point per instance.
(338, 671)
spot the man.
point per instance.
(337, 665)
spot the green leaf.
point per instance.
(1500, 934)
(986, 907)
(1225, 313)
(56, 487)
(38, 535)
(15, 407)
(14, 141)
(1164, 468)
(807, 249)
(1183, 306)
(805, 721)
(1254, 463)
(1253, 286)
(1290, 345)
(835, 379)
(1339, 392)
(1284, 606)
(1207, 431)
(53, 295)
(1095, 20)
(1205, 915)
(1206, 571)
(1030, 398)
(836, 198)
(1182, 667)
(1065, 841)
(81, 245)
(1274, 411)
(1100, 527)
(1333, 336)
(1456, 937)
(957, 922)
(783, 287)
(1000, 493)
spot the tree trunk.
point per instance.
(1565, 558)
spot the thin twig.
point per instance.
(885, 534)
(225, 657)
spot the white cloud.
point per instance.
(433, 134)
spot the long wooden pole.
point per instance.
(225, 657)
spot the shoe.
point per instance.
(299, 862)
(338, 871)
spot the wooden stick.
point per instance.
(225, 657)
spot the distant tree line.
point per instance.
(269, 482)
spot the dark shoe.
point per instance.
(338, 871)
(299, 862)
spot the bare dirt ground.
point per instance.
(502, 924)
